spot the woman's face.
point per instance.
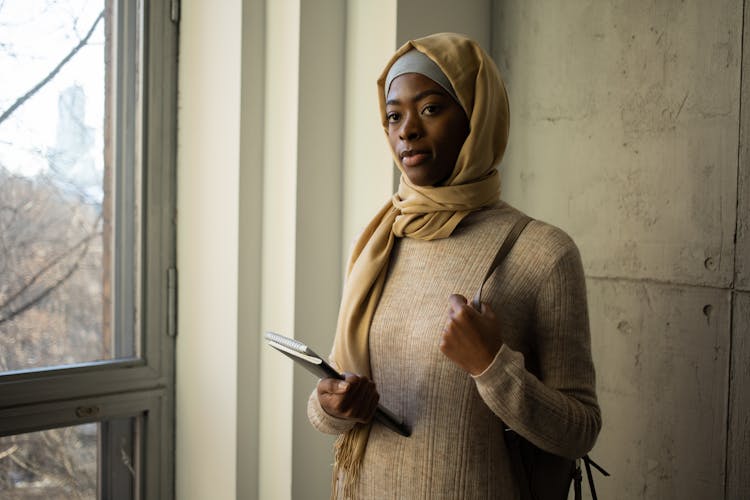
(426, 128)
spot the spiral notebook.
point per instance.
(315, 364)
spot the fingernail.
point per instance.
(343, 385)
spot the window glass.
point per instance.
(66, 205)
(65, 462)
(75, 248)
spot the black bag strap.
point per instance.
(507, 244)
(588, 463)
(513, 440)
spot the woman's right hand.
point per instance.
(354, 398)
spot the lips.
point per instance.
(413, 157)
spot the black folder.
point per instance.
(306, 357)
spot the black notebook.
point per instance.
(306, 357)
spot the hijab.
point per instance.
(422, 212)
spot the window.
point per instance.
(87, 248)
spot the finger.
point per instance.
(359, 395)
(342, 390)
(456, 301)
(332, 386)
(331, 403)
(443, 346)
(369, 402)
(373, 406)
(446, 341)
(458, 307)
(358, 402)
(352, 381)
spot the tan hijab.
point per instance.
(426, 213)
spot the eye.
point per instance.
(392, 117)
(431, 109)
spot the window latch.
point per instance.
(87, 411)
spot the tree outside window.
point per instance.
(70, 233)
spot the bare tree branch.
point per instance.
(47, 267)
(6, 114)
(41, 296)
(44, 293)
(12, 449)
(26, 464)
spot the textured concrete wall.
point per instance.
(625, 132)
(738, 449)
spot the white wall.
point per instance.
(367, 178)
(278, 242)
(207, 249)
(252, 125)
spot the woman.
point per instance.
(455, 374)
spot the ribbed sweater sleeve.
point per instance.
(322, 421)
(556, 411)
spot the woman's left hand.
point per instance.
(472, 338)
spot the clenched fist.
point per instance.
(472, 338)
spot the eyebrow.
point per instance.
(419, 96)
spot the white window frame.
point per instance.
(39, 399)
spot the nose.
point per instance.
(411, 127)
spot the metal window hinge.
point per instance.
(175, 8)
(172, 302)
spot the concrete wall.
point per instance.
(625, 133)
(738, 449)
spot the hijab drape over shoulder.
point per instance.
(425, 213)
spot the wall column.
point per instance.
(207, 249)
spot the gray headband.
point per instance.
(416, 62)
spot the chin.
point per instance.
(419, 181)
(416, 176)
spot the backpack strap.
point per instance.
(588, 463)
(507, 244)
(513, 440)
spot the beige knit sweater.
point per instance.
(540, 384)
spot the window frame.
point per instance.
(45, 398)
